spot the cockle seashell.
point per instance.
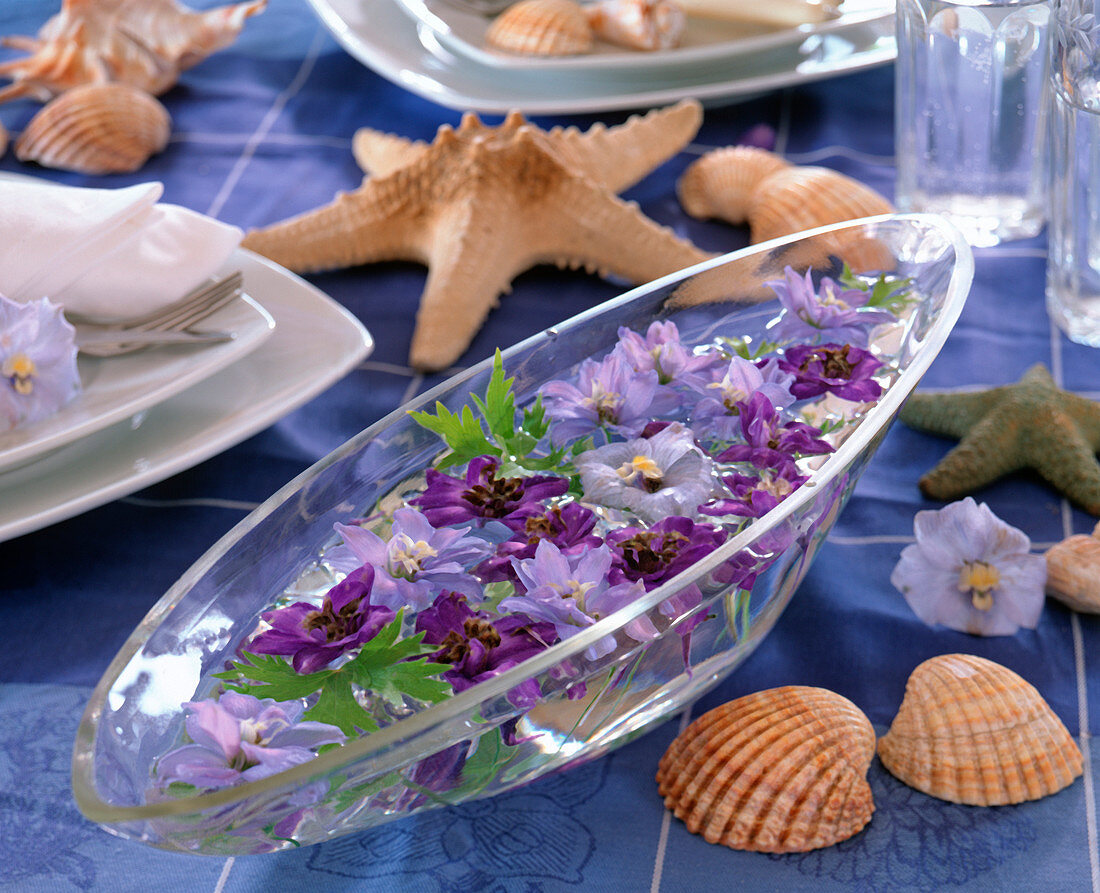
(638, 24)
(144, 43)
(779, 771)
(96, 129)
(541, 28)
(745, 184)
(3, 139)
(1073, 573)
(972, 731)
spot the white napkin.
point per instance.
(105, 252)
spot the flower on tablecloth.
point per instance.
(38, 374)
(970, 571)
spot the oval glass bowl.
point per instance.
(453, 751)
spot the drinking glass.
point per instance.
(1073, 262)
(971, 110)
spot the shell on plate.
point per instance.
(742, 184)
(1073, 573)
(541, 28)
(96, 129)
(779, 771)
(972, 731)
(144, 43)
(638, 24)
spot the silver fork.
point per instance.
(169, 325)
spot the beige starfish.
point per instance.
(479, 205)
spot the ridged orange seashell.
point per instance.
(1073, 573)
(542, 28)
(780, 771)
(721, 183)
(3, 140)
(972, 731)
(96, 129)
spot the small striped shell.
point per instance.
(1073, 573)
(96, 129)
(541, 28)
(972, 731)
(638, 24)
(780, 771)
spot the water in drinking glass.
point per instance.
(971, 114)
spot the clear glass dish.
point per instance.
(591, 700)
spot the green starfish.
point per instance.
(1031, 424)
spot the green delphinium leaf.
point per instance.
(462, 433)
(887, 292)
(269, 676)
(338, 706)
(499, 405)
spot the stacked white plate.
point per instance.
(437, 50)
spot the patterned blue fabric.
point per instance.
(262, 131)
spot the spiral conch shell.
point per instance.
(144, 43)
(638, 24)
(971, 731)
(780, 771)
(96, 129)
(541, 28)
(742, 184)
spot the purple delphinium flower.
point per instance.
(418, 561)
(314, 637)
(481, 495)
(479, 647)
(718, 412)
(608, 394)
(572, 591)
(839, 369)
(661, 351)
(756, 495)
(831, 312)
(239, 738)
(970, 571)
(769, 441)
(658, 554)
(655, 477)
(569, 527)
(38, 373)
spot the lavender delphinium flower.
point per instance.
(418, 561)
(479, 647)
(769, 441)
(831, 312)
(569, 527)
(756, 495)
(481, 495)
(38, 374)
(655, 477)
(839, 369)
(661, 351)
(608, 394)
(314, 637)
(239, 738)
(572, 591)
(970, 571)
(719, 410)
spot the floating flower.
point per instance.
(770, 442)
(656, 555)
(482, 495)
(832, 312)
(756, 495)
(418, 561)
(573, 591)
(479, 647)
(661, 351)
(38, 373)
(608, 394)
(314, 637)
(839, 369)
(655, 477)
(720, 409)
(239, 738)
(970, 571)
(569, 527)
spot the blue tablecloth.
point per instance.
(263, 130)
